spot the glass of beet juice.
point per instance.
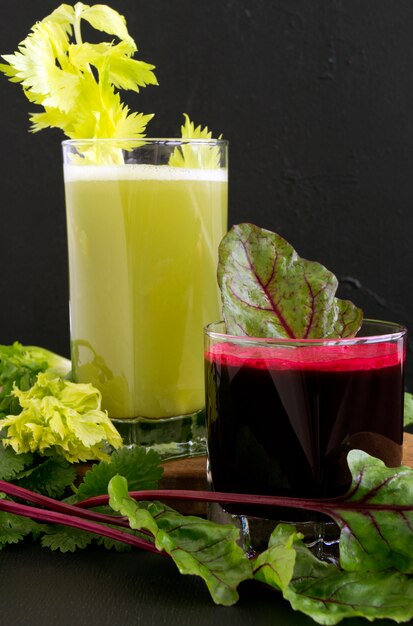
(282, 415)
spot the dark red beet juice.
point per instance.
(281, 420)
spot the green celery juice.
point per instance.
(143, 252)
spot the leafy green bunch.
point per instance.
(76, 82)
(62, 417)
(43, 414)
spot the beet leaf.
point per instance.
(376, 520)
(326, 593)
(267, 290)
(197, 546)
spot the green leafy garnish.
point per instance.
(76, 82)
(269, 291)
(197, 546)
(60, 417)
(199, 156)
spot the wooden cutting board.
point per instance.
(191, 474)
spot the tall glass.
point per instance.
(144, 221)
(283, 414)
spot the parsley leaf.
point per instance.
(13, 528)
(140, 467)
(11, 464)
(50, 476)
(65, 538)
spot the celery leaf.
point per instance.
(199, 155)
(75, 82)
(60, 417)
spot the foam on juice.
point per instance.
(76, 173)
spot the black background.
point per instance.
(316, 99)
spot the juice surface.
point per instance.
(143, 247)
(281, 421)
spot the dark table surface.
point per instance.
(97, 587)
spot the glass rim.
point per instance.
(141, 141)
(399, 332)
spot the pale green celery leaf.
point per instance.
(108, 20)
(51, 118)
(200, 156)
(141, 468)
(50, 476)
(197, 546)
(80, 396)
(131, 125)
(100, 113)
(56, 74)
(65, 538)
(131, 74)
(123, 72)
(376, 540)
(101, 17)
(82, 120)
(57, 34)
(267, 290)
(35, 66)
(9, 71)
(54, 420)
(64, 92)
(408, 409)
(326, 593)
(11, 464)
(63, 15)
(13, 528)
(84, 54)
